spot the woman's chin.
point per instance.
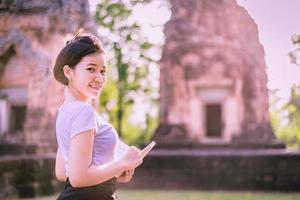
(94, 95)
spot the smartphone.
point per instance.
(147, 149)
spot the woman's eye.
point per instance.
(103, 72)
(91, 69)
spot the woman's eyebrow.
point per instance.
(95, 65)
(92, 64)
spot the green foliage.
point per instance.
(129, 59)
(295, 54)
(108, 98)
(285, 119)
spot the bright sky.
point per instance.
(277, 21)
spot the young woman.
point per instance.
(86, 144)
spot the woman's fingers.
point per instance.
(130, 174)
(133, 158)
(126, 176)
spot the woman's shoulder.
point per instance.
(76, 107)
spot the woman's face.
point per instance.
(88, 77)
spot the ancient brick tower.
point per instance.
(31, 34)
(213, 82)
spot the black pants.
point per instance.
(103, 191)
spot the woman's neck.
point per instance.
(71, 96)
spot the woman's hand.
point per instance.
(131, 159)
(126, 176)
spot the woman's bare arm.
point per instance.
(125, 176)
(60, 171)
(82, 174)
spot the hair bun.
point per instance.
(72, 37)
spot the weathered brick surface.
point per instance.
(31, 35)
(212, 45)
(268, 170)
(27, 176)
(209, 170)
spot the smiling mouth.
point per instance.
(95, 87)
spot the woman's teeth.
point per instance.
(95, 87)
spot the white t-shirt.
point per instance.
(77, 117)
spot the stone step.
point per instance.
(16, 148)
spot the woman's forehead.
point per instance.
(97, 59)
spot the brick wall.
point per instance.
(219, 170)
(275, 170)
(27, 176)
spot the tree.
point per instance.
(285, 118)
(130, 55)
(295, 55)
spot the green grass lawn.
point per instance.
(196, 195)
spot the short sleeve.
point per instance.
(84, 119)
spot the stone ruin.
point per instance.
(31, 34)
(213, 82)
(214, 131)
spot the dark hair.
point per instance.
(76, 48)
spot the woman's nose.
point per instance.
(98, 77)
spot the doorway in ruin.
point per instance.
(213, 120)
(17, 117)
(215, 112)
(13, 108)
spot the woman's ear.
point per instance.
(67, 72)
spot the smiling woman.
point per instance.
(89, 76)
(86, 143)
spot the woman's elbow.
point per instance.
(60, 176)
(76, 180)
